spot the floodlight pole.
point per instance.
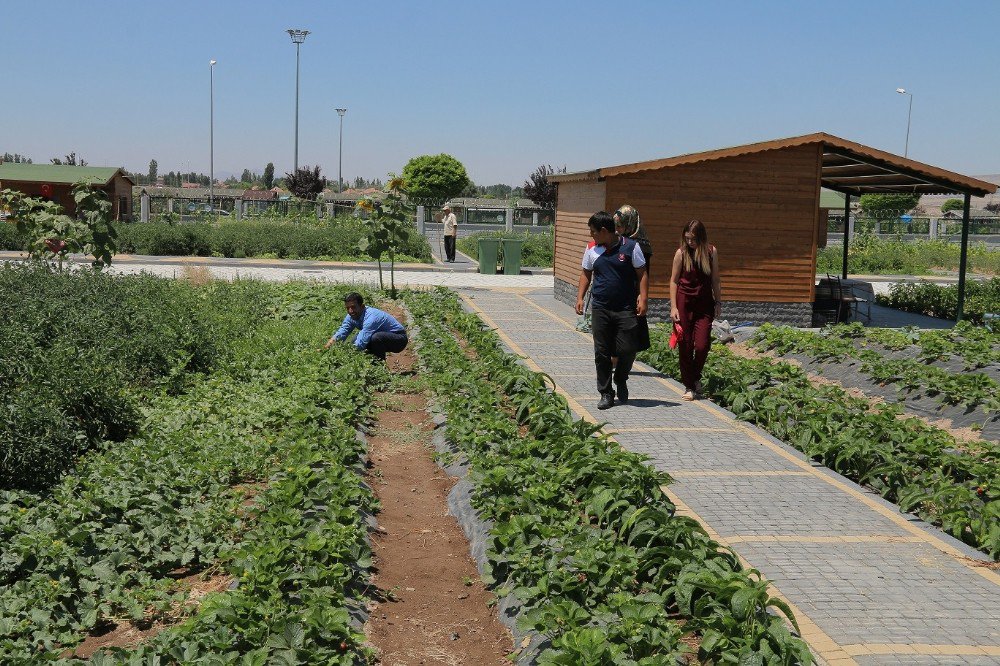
(211, 135)
(909, 113)
(340, 158)
(298, 36)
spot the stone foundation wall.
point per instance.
(792, 314)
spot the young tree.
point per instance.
(434, 178)
(54, 234)
(539, 189)
(887, 206)
(153, 166)
(390, 227)
(305, 183)
(269, 176)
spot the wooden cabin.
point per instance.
(760, 204)
(54, 182)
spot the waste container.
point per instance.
(512, 256)
(489, 249)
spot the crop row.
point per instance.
(582, 533)
(251, 473)
(977, 346)
(919, 467)
(971, 389)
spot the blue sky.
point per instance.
(503, 87)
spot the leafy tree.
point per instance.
(539, 189)
(269, 176)
(952, 204)
(16, 158)
(153, 167)
(247, 177)
(887, 206)
(70, 160)
(993, 207)
(390, 227)
(434, 178)
(53, 234)
(305, 183)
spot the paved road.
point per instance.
(869, 585)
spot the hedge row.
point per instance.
(937, 301)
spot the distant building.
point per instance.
(54, 182)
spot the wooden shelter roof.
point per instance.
(848, 167)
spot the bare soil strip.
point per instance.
(433, 608)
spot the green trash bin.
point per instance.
(489, 249)
(512, 256)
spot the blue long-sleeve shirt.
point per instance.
(371, 321)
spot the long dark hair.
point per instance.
(701, 255)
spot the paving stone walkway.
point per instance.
(868, 584)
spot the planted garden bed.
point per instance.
(583, 543)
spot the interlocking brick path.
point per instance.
(868, 584)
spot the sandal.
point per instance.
(688, 395)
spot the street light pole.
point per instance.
(340, 158)
(298, 36)
(211, 135)
(903, 91)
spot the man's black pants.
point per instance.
(449, 248)
(614, 334)
(382, 343)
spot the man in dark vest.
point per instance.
(618, 269)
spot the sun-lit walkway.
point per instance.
(868, 584)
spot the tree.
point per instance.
(16, 158)
(887, 206)
(539, 189)
(952, 204)
(434, 178)
(269, 176)
(305, 183)
(390, 227)
(247, 177)
(993, 207)
(153, 167)
(69, 160)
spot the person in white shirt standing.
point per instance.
(450, 233)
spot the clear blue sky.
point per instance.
(503, 86)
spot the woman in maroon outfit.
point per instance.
(695, 300)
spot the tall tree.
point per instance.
(153, 167)
(539, 189)
(269, 176)
(247, 177)
(16, 158)
(434, 178)
(306, 183)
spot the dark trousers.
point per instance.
(693, 347)
(614, 334)
(381, 343)
(449, 248)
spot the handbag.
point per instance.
(675, 335)
(641, 333)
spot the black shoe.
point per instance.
(622, 393)
(607, 401)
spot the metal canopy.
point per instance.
(846, 172)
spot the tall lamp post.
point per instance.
(211, 135)
(903, 91)
(298, 36)
(340, 157)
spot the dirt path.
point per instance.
(434, 608)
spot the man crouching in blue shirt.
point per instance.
(378, 331)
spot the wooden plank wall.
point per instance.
(578, 200)
(760, 210)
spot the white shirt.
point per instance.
(450, 224)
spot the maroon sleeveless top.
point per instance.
(694, 289)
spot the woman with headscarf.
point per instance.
(627, 224)
(695, 300)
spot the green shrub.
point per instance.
(79, 351)
(336, 240)
(535, 251)
(875, 255)
(937, 301)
